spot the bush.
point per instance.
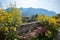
(9, 22)
(51, 25)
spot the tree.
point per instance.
(33, 18)
(57, 16)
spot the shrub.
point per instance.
(9, 22)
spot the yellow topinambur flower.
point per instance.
(52, 20)
(14, 28)
(6, 28)
(48, 33)
(10, 19)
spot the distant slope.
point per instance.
(32, 11)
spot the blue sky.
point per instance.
(51, 5)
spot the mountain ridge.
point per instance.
(33, 11)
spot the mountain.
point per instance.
(32, 11)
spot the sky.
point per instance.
(51, 5)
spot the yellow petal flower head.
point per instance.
(14, 28)
(48, 33)
(10, 19)
(52, 20)
(6, 28)
(5, 13)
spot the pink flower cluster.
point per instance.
(33, 33)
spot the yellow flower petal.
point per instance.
(14, 28)
(6, 28)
